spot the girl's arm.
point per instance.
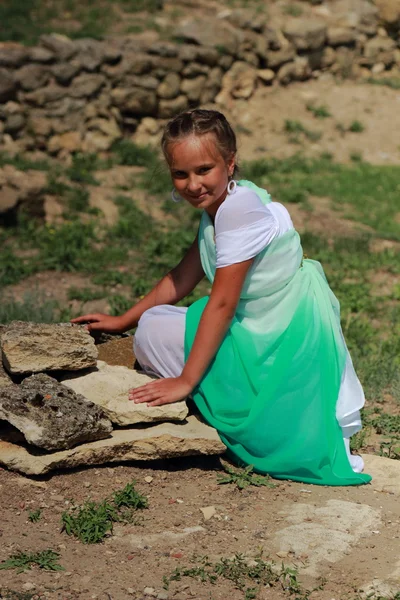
(177, 284)
(213, 326)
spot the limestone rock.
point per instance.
(108, 386)
(5, 380)
(71, 141)
(31, 77)
(17, 188)
(341, 36)
(12, 55)
(40, 55)
(385, 473)
(379, 49)
(210, 32)
(86, 85)
(90, 54)
(50, 415)
(192, 88)
(239, 82)
(298, 70)
(306, 34)
(169, 87)
(65, 72)
(389, 12)
(35, 347)
(136, 101)
(8, 87)
(61, 46)
(277, 58)
(169, 108)
(167, 440)
(266, 75)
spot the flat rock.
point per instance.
(385, 472)
(51, 416)
(168, 440)
(36, 347)
(108, 387)
(4, 378)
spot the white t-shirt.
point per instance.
(244, 226)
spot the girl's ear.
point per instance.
(231, 165)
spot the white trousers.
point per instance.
(159, 348)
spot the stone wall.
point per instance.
(64, 96)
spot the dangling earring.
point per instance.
(231, 188)
(175, 196)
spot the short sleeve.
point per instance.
(243, 227)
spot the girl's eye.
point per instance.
(205, 169)
(179, 174)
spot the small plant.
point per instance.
(390, 448)
(244, 477)
(82, 167)
(356, 157)
(35, 515)
(391, 82)
(23, 561)
(92, 521)
(85, 294)
(319, 112)
(130, 154)
(295, 128)
(356, 127)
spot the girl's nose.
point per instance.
(194, 184)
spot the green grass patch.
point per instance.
(92, 521)
(22, 163)
(356, 127)
(391, 82)
(34, 516)
(34, 307)
(296, 129)
(319, 112)
(243, 478)
(24, 561)
(85, 294)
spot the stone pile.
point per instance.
(65, 96)
(60, 407)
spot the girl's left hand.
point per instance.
(161, 391)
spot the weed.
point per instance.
(390, 448)
(242, 478)
(34, 307)
(21, 163)
(82, 168)
(296, 128)
(23, 561)
(392, 82)
(142, 5)
(85, 294)
(320, 112)
(131, 154)
(35, 515)
(248, 576)
(386, 424)
(119, 304)
(356, 156)
(356, 127)
(92, 521)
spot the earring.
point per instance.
(175, 196)
(231, 188)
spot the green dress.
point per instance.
(271, 389)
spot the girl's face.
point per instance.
(199, 172)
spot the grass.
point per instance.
(319, 112)
(92, 521)
(24, 561)
(243, 478)
(391, 82)
(34, 307)
(248, 576)
(35, 515)
(28, 20)
(356, 127)
(296, 129)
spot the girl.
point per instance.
(263, 357)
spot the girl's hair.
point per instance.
(201, 122)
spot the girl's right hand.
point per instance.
(101, 322)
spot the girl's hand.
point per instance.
(101, 322)
(162, 391)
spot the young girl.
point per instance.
(263, 356)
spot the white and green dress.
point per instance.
(281, 390)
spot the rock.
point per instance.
(148, 479)
(170, 108)
(379, 49)
(298, 70)
(341, 36)
(12, 55)
(19, 187)
(51, 416)
(192, 88)
(194, 69)
(40, 126)
(8, 87)
(35, 347)
(61, 46)
(108, 387)
(239, 82)
(40, 55)
(86, 85)
(46, 95)
(31, 77)
(266, 75)
(149, 591)
(208, 512)
(65, 72)
(360, 14)
(108, 127)
(71, 141)
(135, 101)
(164, 49)
(385, 473)
(389, 12)
(95, 141)
(90, 54)
(306, 34)
(207, 56)
(277, 58)
(163, 65)
(14, 123)
(132, 64)
(210, 32)
(5, 380)
(167, 440)
(169, 87)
